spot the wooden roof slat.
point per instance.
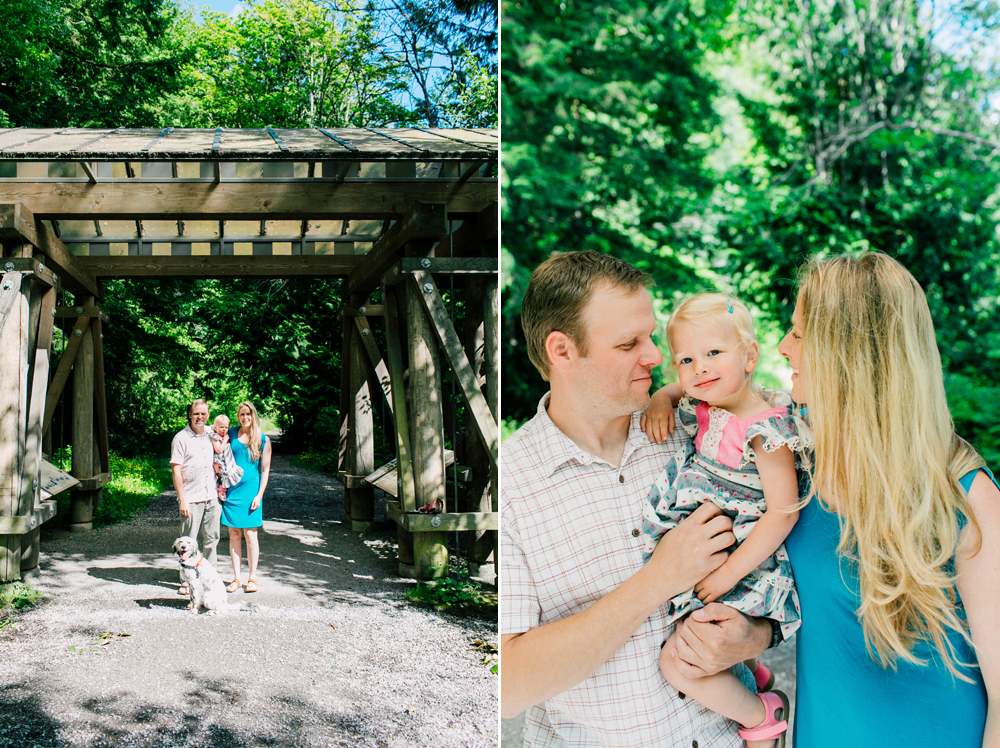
(157, 139)
(305, 144)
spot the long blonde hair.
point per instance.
(254, 444)
(886, 447)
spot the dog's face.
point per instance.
(185, 548)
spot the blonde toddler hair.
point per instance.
(221, 420)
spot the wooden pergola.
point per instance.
(395, 211)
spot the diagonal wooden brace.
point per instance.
(62, 373)
(452, 345)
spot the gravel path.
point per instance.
(327, 654)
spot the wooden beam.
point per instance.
(245, 201)
(100, 402)
(478, 265)
(375, 357)
(18, 223)
(31, 267)
(63, 312)
(394, 350)
(423, 285)
(420, 222)
(24, 524)
(62, 371)
(217, 266)
(42, 324)
(450, 522)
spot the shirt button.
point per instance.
(635, 533)
(621, 478)
(694, 744)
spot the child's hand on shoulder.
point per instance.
(658, 419)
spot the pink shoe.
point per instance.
(775, 724)
(763, 677)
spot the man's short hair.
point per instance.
(559, 290)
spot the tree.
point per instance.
(603, 107)
(89, 63)
(288, 63)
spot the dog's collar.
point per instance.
(201, 557)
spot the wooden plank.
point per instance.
(100, 402)
(375, 357)
(10, 292)
(246, 200)
(420, 222)
(452, 521)
(424, 288)
(17, 222)
(92, 483)
(217, 266)
(365, 310)
(394, 353)
(29, 266)
(61, 376)
(450, 264)
(81, 506)
(361, 451)
(63, 312)
(24, 524)
(13, 406)
(42, 324)
(491, 365)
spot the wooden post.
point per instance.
(491, 365)
(361, 432)
(13, 407)
(430, 549)
(41, 305)
(395, 321)
(476, 456)
(82, 502)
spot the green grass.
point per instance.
(13, 597)
(454, 593)
(134, 483)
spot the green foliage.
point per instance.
(454, 593)
(134, 483)
(294, 63)
(94, 63)
(508, 426)
(13, 597)
(604, 103)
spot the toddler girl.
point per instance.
(227, 472)
(744, 464)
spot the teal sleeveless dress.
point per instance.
(236, 508)
(843, 697)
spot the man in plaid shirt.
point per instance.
(581, 616)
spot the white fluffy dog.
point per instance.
(207, 589)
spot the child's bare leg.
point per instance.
(723, 693)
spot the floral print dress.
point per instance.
(721, 469)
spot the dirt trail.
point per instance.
(328, 654)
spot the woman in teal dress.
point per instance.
(896, 549)
(242, 510)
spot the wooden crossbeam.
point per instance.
(63, 312)
(29, 266)
(62, 371)
(467, 380)
(218, 266)
(419, 222)
(246, 201)
(18, 223)
(375, 356)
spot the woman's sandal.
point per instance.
(184, 589)
(775, 724)
(234, 585)
(251, 585)
(763, 677)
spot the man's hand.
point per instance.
(694, 549)
(185, 511)
(716, 637)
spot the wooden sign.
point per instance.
(55, 480)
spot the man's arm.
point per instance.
(545, 661)
(177, 472)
